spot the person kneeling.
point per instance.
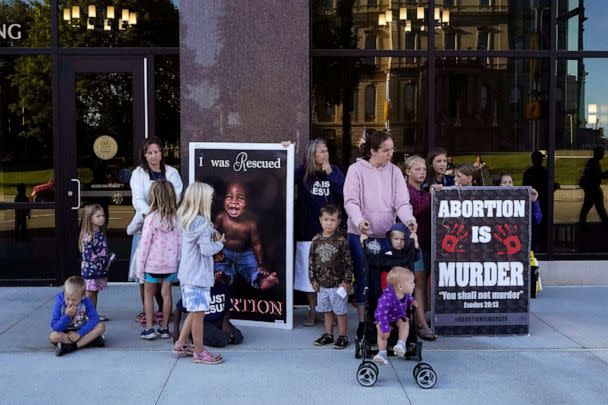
(75, 322)
(392, 312)
(218, 331)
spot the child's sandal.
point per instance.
(206, 357)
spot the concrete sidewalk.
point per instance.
(563, 361)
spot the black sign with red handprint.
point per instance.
(480, 260)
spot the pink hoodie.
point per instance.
(375, 194)
(159, 248)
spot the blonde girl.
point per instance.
(96, 257)
(200, 241)
(158, 254)
(416, 172)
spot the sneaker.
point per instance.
(164, 333)
(381, 358)
(206, 357)
(100, 341)
(63, 348)
(325, 339)
(341, 343)
(148, 334)
(399, 348)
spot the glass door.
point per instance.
(102, 127)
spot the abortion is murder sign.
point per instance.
(480, 261)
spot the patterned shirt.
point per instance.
(391, 308)
(330, 263)
(95, 256)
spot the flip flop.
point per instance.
(308, 322)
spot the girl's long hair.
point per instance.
(86, 226)
(409, 162)
(162, 200)
(309, 161)
(431, 174)
(197, 201)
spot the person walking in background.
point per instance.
(96, 256)
(591, 183)
(375, 193)
(152, 169)
(200, 241)
(158, 255)
(318, 183)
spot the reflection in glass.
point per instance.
(581, 25)
(26, 136)
(386, 95)
(580, 167)
(166, 77)
(25, 24)
(404, 24)
(27, 244)
(136, 23)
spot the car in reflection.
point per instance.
(43, 192)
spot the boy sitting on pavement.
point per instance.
(330, 269)
(75, 322)
(392, 312)
(218, 331)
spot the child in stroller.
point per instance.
(375, 338)
(404, 251)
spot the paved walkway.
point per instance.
(563, 361)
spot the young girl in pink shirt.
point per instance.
(158, 253)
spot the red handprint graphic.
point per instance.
(507, 234)
(454, 236)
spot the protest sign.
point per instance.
(480, 260)
(253, 207)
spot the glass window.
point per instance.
(25, 24)
(167, 106)
(112, 23)
(26, 136)
(383, 20)
(493, 112)
(581, 223)
(388, 94)
(581, 25)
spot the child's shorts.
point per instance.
(96, 284)
(159, 278)
(419, 264)
(329, 301)
(195, 299)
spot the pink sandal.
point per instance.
(182, 349)
(206, 357)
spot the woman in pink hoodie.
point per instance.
(158, 253)
(375, 193)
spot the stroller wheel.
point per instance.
(420, 366)
(426, 377)
(367, 374)
(357, 349)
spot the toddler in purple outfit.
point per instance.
(392, 311)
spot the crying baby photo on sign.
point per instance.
(253, 207)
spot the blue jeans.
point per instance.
(358, 255)
(243, 263)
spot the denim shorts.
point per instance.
(157, 278)
(194, 298)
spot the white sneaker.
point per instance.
(399, 349)
(381, 359)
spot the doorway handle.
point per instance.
(77, 194)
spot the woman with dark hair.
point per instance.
(152, 169)
(318, 183)
(437, 163)
(375, 193)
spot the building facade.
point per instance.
(83, 83)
